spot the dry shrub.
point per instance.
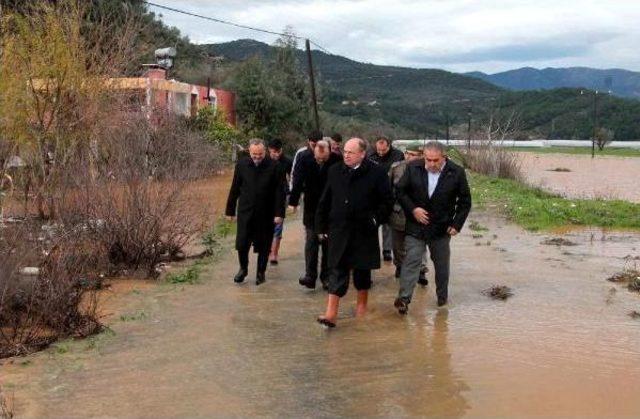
(489, 159)
(37, 310)
(134, 204)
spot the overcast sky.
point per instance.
(456, 35)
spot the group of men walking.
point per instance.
(420, 199)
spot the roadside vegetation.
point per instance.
(535, 209)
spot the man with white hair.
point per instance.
(436, 199)
(356, 200)
(258, 193)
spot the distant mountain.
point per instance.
(622, 83)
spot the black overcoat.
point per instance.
(449, 205)
(352, 207)
(310, 179)
(259, 194)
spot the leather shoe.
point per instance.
(401, 305)
(307, 282)
(386, 255)
(240, 276)
(442, 301)
(422, 279)
(260, 278)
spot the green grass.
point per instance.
(190, 276)
(535, 209)
(621, 152)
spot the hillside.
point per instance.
(621, 83)
(422, 100)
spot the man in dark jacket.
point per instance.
(435, 196)
(355, 201)
(385, 155)
(258, 190)
(311, 178)
(276, 154)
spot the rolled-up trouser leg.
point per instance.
(397, 237)
(362, 279)
(414, 249)
(440, 254)
(339, 281)
(387, 245)
(324, 260)
(311, 253)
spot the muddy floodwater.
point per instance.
(580, 176)
(563, 345)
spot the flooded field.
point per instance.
(580, 176)
(562, 345)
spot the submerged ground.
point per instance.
(562, 345)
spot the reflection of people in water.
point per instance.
(430, 387)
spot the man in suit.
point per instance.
(385, 155)
(356, 200)
(435, 196)
(310, 180)
(258, 191)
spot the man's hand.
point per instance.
(452, 231)
(230, 218)
(278, 220)
(293, 209)
(421, 215)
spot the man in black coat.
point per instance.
(258, 190)
(310, 179)
(435, 196)
(385, 155)
(355, 201)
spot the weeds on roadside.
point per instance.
(190, 276)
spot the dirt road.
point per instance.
(563, 345)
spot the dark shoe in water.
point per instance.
(273, 262)
(442, 302)
(401, 305)
(398, 271)
(260, 278)
(386, 255)
(326, 322)
(422, 279)
(307, 282)
(240, 276)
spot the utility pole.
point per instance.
(469, 128)
(448, 123)
(595, 123)
(314, 100)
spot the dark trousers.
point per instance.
(312, 247)
(339, 280)
(440, 254)
(263, 259)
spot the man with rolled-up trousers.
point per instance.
(435, 196)
(356, 200)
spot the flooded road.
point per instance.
(563, 345)
(606, 177)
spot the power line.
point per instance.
(222, 21)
